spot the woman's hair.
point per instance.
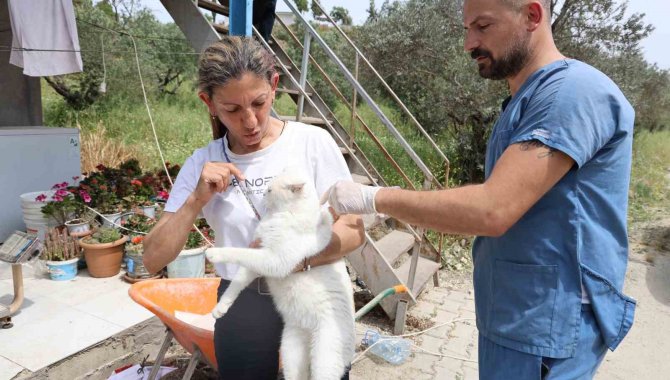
(231, 58)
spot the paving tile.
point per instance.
(34, 309)
(84, 288)
(8, 369)
(116, 307)
(47, 341)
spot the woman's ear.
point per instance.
(208, 101)
(274, 81)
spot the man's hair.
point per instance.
(517, 4)
(546, 4)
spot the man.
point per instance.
(550, 258)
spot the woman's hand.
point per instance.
(215, 178)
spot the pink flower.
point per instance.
(62, 193)
(57, 198)
(163, 195)
(85, 196)
(136, 182)
(41, 198)
(75, 178)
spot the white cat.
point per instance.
(316, 305)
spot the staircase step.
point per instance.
(305, 119)
(395, 244)
(221, 28)
(372, 220)
(212, 6)
(425, 269)
(345, 151)
(291, 91)
(362, 179)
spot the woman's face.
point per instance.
(243, 105)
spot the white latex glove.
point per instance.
(346, 197)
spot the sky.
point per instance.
(656, 50)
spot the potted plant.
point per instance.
(101, 187)
(61, 253)
(67, 205)
(138, 225)
(191, 260)
(103, 252)
(142, 196)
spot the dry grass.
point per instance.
(98, 148)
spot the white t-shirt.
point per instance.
(307, 147)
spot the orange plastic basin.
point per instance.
(194, 295)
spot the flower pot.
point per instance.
(149, 211)
(78, 227)
(62, 270)
(135, 267)
(189, 263)
(104, 260)
(111, 220)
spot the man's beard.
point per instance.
(513, 60)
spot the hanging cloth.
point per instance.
(44, 25)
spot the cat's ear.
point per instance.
(296, 188)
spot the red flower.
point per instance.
(136, 182)
(94, 181)
(100, 167)
(103, 187)
(137, 239)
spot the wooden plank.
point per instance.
(395, 244)
(305, 119)
(425, 269)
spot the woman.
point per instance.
(238, 82)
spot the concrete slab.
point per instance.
(8, 369)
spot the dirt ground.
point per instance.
(644, 353)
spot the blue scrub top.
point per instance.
(528, 281)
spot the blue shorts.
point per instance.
(499, 362)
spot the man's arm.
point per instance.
(522, 175)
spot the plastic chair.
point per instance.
(164, 297)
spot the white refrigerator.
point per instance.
(33, 159)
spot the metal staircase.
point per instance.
(394, 252)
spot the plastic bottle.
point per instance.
(390, 348)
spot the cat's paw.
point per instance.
(220, 310)
(215, 255)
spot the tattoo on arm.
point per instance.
(545, 151)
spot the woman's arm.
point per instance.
(348, 234)
(167, 238)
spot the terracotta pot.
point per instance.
(104, 260)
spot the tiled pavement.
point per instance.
(456, 341)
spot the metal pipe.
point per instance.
(303, 75)
(352, 135)
(386, 86)
(17, 279)
(417, 160)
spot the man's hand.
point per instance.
(347, 197)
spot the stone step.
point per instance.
(291, 91)
(362, 179)
(425, 269)
(395, 244)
